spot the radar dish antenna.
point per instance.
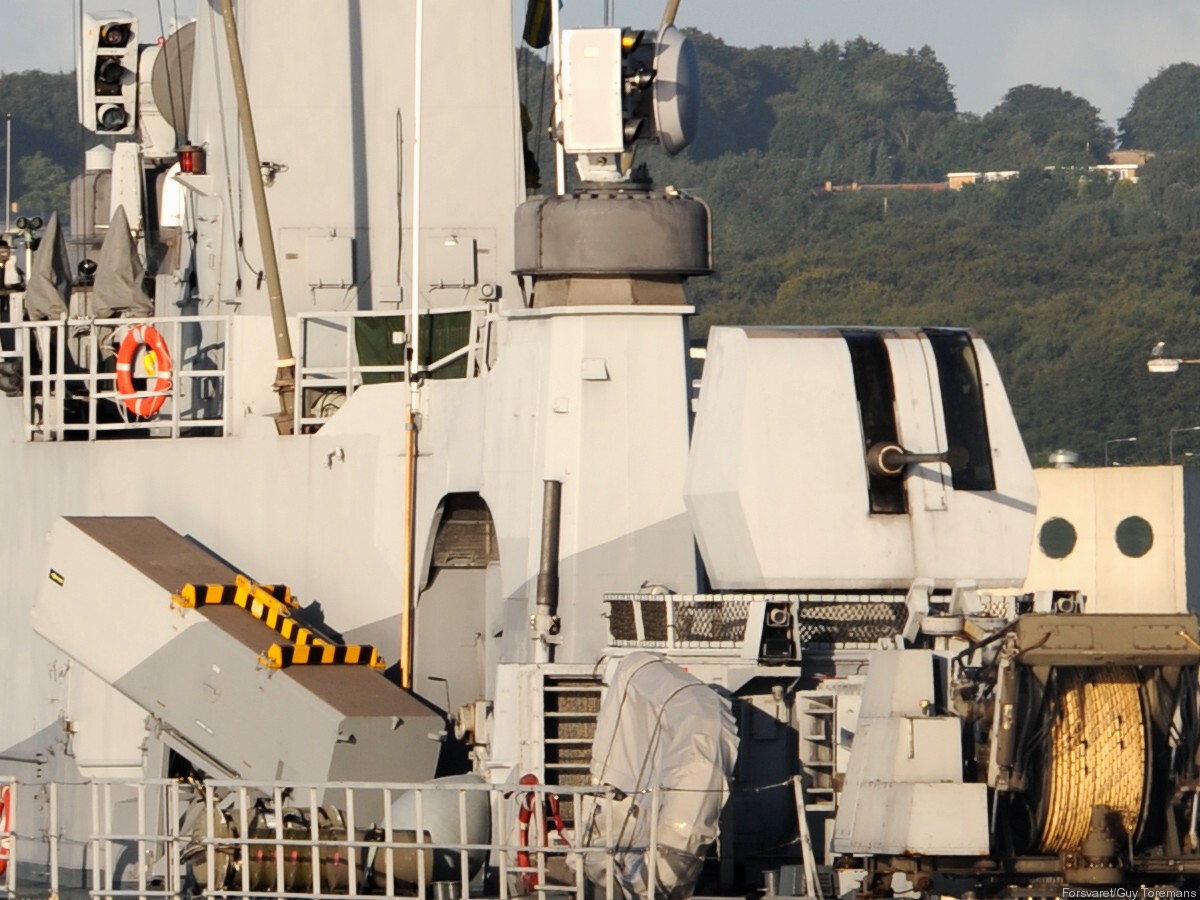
(171, 77)
(676, 90)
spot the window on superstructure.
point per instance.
(877, 412)
(962, 405)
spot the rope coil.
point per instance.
(1095, 754)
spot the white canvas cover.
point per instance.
(659, 727)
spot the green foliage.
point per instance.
(1165, 114)
(1049, 126)
(46, 187)
(46, 138)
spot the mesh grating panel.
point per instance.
(840, 622)
(679, 620)
(710, 620)
(994, 606)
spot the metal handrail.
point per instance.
(154, 860)
(346, 375)
(45, 393)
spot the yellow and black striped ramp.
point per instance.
(242, 593)
(277, 657)
(270, 604)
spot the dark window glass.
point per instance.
(1057, 538)
(1135, 537)
(962, 404)
(877, 410)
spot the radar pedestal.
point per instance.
(607, 247)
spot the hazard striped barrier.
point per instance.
(277, 656)
(272, 605)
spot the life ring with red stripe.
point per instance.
(5, 826)
(155, 361)
(528, 810)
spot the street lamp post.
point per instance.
(7, 170)
(1171, 440)
(1107, 444)
(1160, 364)
(1168, 366)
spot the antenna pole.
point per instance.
(414, 337)
(413, 374)
(669, 15)
(560, 156)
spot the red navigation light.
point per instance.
(191, 160)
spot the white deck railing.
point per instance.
(179, 839)
(67, 395)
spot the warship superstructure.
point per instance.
(370, 533)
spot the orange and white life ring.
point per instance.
(5, 826)
(529, 809)
(156, 362)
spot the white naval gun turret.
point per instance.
(857, 459)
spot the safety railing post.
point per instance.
(503, 837)
(26, 387)
(60, 378)
(652, 861)
(389, 838)
(141, 842)
(314, 825)
(93, 382)
(277, 800)
(210, 842)
(420, 826)
(244, 837)
(94, 841)
(463, 857)
(175, 876)
(54, 839)
(611, 856)
(353, 885)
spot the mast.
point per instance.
(560, 156)
(285, 363)
(413, 374)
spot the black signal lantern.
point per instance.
(115, 34)
(111, 117)
(109, 74)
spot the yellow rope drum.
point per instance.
(1095, 754)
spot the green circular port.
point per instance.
(1135, 537)
(1057, 538)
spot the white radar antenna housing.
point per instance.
(676, 90)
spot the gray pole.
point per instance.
(544, 621)
(7, 170)
(285, 363)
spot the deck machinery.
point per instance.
(904, 726)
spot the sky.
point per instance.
(1101, 50)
